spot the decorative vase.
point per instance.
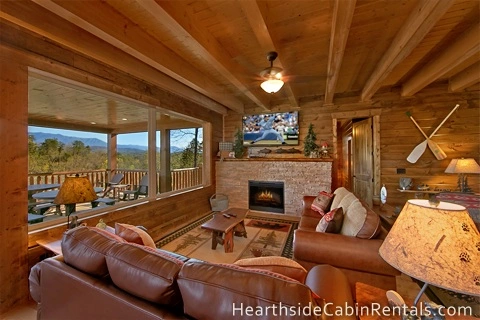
(405, 183)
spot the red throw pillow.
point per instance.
(322, 202)
(331, 222)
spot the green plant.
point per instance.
(309, 144)
(238, 148)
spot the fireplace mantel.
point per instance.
(302, 176)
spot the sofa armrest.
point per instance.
(341, 251)
(307, 203)
(332, 285)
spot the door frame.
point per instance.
(366, 113)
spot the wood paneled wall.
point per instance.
(458, 137)
(20, 50)
(13, 190)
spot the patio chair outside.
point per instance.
(142, 190)
(109, 186)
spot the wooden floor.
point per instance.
(23, 312)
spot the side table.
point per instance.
(386, 214)
(53, 246)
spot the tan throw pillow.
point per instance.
(282, 265)
(134, 234)
(339, 193)
(331, 222)
(360, 221)
(322, 202)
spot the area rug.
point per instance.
(268, 236)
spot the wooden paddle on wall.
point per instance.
(420, 148)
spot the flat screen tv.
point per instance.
(270, 129)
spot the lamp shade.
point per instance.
(75, 190)
(468, 165)
(437, 245)
(272, 85)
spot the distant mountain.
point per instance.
(93, 143)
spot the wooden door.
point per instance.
(362, 160)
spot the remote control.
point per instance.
(232, 214)
(226, 215)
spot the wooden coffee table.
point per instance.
(220, 225)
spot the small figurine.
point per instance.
(73, 222)
(101, 224)
(324, 149)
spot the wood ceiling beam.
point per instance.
(260, 29)
(202, 43)
(47, 24)
(127, 36)
(422, 19)
(342, 19)
(465, 79)
(454, 54)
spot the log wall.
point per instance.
(458, 137)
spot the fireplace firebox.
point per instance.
(266, 196)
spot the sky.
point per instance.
(140, 139)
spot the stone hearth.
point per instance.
(300, 176)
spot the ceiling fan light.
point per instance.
(272, 85)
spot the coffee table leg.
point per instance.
(228, 241)
(216, 239)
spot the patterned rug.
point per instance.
(268, 236)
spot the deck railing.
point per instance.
(181, 178)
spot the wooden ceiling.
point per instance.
(212, 51)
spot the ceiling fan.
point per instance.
(272, 75)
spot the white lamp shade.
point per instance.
(437, 245)
(468, 165)
(272, 85)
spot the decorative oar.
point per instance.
(420, 148)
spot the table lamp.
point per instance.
(436, 245)
(462, 167)
(72, 191)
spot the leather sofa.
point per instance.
(101, 276)
(356, 255)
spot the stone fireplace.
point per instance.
(266, 196)
(300, 177)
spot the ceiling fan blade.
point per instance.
(417, 152)
(437, 151)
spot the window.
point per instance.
(110, 136)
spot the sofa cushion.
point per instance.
(228, 290)
(134, 234)
(331, 222)
(145, 272)
(346, 202)
(359, 221)
(354, 218)
(84, 248)
(282, 265)
(322, 202)
(340, 193)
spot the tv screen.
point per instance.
(270, 129)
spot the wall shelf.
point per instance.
(421, 191)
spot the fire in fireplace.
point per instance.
(266, 196)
